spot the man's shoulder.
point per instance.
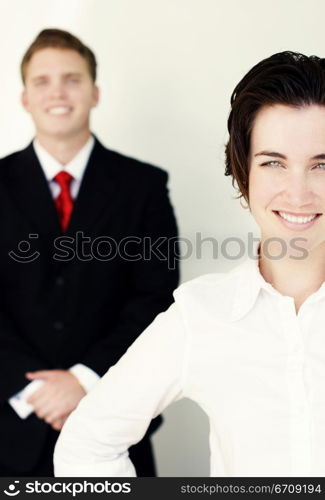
(13, 162)
(15, 156)
(130, 166)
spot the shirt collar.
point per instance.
(318, 295)
(76, 167)
(250, 284)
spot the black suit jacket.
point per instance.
(76, 298)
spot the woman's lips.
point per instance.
(297, 221)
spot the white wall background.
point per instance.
(166, 72)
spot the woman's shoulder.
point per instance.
(215, 281)
(213, 291)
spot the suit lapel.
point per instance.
(31, 192)
(29, 187)
(97, 191)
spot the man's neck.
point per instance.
(63, 149)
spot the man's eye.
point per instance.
(39, 83)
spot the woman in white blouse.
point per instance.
(247, 346)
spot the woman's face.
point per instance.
(287, 174)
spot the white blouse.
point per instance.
(236, 346)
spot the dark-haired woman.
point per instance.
(247, 346)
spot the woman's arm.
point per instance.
(117, 412)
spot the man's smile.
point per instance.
(59, 110)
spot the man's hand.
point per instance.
(56, 399)
(58, 424)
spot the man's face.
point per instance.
(59, 93)
(287, 173)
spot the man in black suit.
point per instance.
(87, 258)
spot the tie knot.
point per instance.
(63, 178)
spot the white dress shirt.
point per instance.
(76, 167)
(234, 345)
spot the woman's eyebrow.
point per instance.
(274, 154)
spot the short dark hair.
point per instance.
(288, 78)
(62, 40)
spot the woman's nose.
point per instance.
(298, 190)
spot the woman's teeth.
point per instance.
(297, 219)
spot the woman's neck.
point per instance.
(295, 277)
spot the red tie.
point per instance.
(64, 202)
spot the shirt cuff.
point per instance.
(18, 401)
(87, 378)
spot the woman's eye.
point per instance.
(320, 166)
(272, 163)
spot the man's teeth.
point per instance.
(59, 110)
(297, 219)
